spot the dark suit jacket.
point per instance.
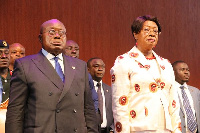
(108, 103)
(41, 103)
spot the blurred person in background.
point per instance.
(16, 51)
(5, 74)
(71, 49)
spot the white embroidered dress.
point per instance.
(144, 99)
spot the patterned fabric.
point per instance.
(59, 69)
(191, 121)
(138, 94)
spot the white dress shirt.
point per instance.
(104, 124)
(50, 57)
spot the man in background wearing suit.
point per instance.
(96, 68)
(50, 91)
(71, 49)
(189, 99)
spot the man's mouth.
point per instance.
(74, 56)
(56, 43)
(100, 74)
(4, 62)
(186, 77)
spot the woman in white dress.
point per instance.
(144, 100)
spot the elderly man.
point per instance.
(50, 91)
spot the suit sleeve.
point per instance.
(89, 109)
(17, 100)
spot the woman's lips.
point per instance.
(151, 40)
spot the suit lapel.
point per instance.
(70, 69)
(47, 69)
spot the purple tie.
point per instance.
(59, 69)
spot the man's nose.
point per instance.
(100, 68)
(4, 55)
(18, 54)
(73, 51)
(186, 71)
(57, 35)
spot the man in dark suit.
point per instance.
(190, 107)
(96, 68)
(50, 91)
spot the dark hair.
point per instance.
(88, 62)
(176, 62)
(137, 24)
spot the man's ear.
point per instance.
(40, 38)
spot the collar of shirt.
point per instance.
(51, 60)
(95, 84)
(178, 85)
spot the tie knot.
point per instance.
(98, 84)
(182, 87)
(56, 59)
